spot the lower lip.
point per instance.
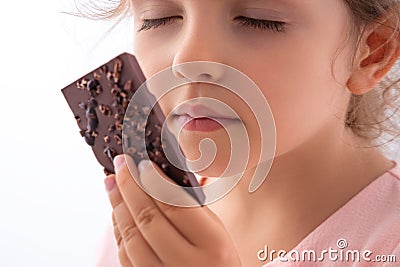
(203, 124)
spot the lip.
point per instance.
(198, 110)
(201, 118)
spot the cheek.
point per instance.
(300, 91)
(151, 60)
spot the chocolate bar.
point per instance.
(99, 102)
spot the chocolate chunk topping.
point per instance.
(89, 138)
(110, 153)
(118, 139)
(92, 85)
(100, 104)
(128, 85)
(92, 120)
(105, 109)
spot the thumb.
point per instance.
(162, 188)
(125, 166)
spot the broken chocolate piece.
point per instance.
(100, 100)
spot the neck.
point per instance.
(303, 187)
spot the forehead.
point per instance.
(305, 11)
(287, 3)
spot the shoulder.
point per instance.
(382, 210)
(372, 218)
(369, 221)
(395, 173)
(386, 192)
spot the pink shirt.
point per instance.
(366, 229)
(367, 226)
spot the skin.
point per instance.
(318, 166)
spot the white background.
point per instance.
(53, 207)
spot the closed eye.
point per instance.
(261, 24)
(155, 23)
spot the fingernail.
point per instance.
(119, 161)
(110, 183)
(144, 164)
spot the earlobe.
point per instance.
(380, 49)
(362, 81)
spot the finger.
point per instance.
(157, 230)
(117, 234)
(158, 185)
(194, 223)
(137, 249)
(128, 237)
(123, 257)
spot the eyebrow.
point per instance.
(284, 3)
(288, 3)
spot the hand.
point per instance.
(151, 233)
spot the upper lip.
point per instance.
(198, 110)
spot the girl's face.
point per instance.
(285, 46)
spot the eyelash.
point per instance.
(260, 24)
(155, 23)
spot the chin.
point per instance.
(207, 154)
(217, 153)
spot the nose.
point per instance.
(199, 54)
(199, 71)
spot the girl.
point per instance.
(324, 68)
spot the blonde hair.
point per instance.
(372, 116)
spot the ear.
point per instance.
(378, 51)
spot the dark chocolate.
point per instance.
(99, 102)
